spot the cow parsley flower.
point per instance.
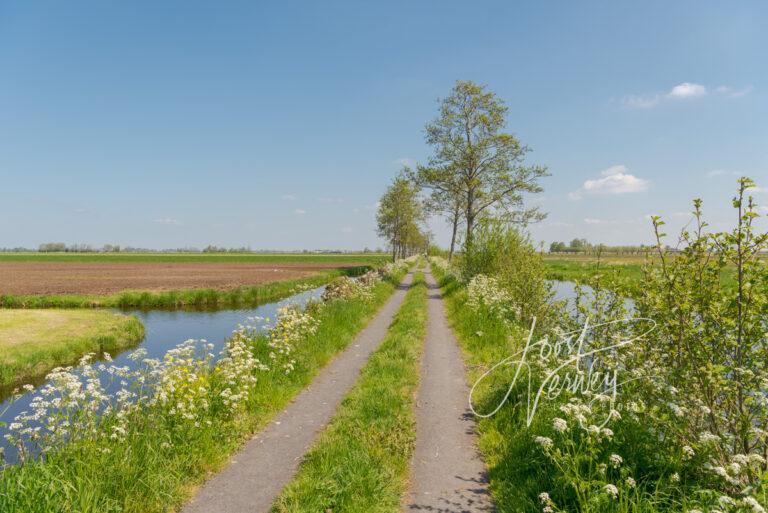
(611, 491)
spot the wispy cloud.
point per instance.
(299, 211)
(592, 220)
(558, 224)
(288, 197)
(167, 221)
(614, 180)
(346, 229)
(732, 92)
(683, 91)
(373, 206)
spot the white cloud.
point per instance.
(683, 91)
(288, 197)
(374, 206)
(558, 224)
(346, 229)
(615, 180)
(299, 211)
(168, 221)
(687, 90)
(757, 189)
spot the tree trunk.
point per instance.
(470, 218)
(453, 234)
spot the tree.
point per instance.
(476, 161)
(450, 205)
(400, 215)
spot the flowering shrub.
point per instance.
(692, 432)
(188, 387)
(293, 325)
(445, 268)
(485, 293)
(346, 288)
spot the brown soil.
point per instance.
(20, 278)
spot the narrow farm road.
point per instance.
(257, 474)
(447, 473)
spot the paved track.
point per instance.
(447, 474)
(269, 461)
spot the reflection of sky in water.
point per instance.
(566, 291)
(166, 329)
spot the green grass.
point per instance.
(626, 271)
(308, 258)
(32, 342)
(145, 474)
(188, 298)
(582, 269)
(361, 461)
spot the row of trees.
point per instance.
(476, 172)
(584, 246)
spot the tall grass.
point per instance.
(156, 464)
(360, 463)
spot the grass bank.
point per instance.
(32, 342)
(152, 460)
(360, 462)
(189, 298)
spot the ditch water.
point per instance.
(164, 330)
(566, 291)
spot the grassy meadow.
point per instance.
(34, 342)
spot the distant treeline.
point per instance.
(584, 246)
(61, 247)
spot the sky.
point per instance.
(279, 124)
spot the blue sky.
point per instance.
(278, 125)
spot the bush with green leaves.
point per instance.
(502, 252)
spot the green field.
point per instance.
(32, 342)
(628, 270)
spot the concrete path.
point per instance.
(269, 461)
(447, 474)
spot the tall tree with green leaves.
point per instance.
(474, 159)
(400, 216)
